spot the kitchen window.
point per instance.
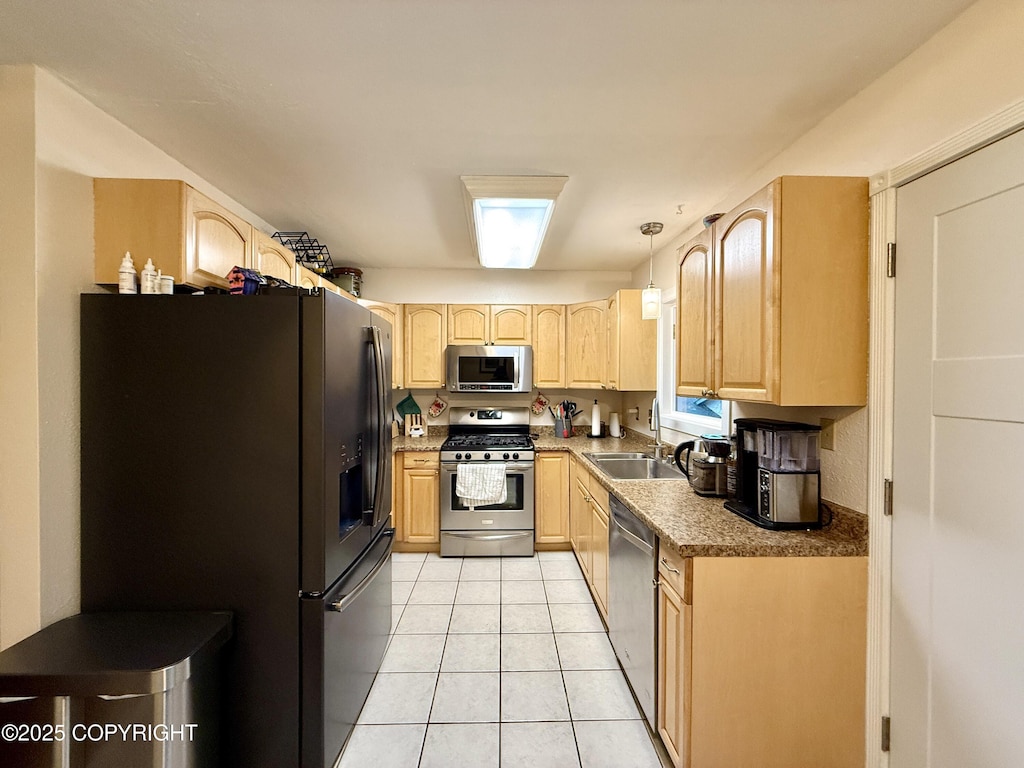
(692, 415)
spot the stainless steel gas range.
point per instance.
(492, 436)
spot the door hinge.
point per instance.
(888, 497)
(890, 260)
(885, 733)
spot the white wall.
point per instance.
(19, 372)
(503, 286)
(967, 72)
(52, 142)
(584, 399)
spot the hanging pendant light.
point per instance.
(650, 299)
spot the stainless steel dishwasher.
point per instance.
(632, 601)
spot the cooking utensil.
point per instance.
(414, 425)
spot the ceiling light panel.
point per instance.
(508, 217)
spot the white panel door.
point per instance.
(957, 696)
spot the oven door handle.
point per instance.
(452, 466)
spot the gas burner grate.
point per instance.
(487, 441)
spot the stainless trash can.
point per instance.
(115, 689)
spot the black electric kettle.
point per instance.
(706, 471)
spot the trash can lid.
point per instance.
(113, 654)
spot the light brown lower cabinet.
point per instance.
(674, 622)
(588, 525)
(762, 661)
(580, 517)
(599, 545)
(551, 501)
(415, 506)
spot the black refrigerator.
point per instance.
(236, 455)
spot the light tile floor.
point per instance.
(497, 663)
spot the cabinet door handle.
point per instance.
(667, 566)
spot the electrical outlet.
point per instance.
(828, 434)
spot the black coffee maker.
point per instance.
(778, 478)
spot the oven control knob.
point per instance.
(504, 456)
(487, 456)
(515, 455)
(458, 457)
(469, 456)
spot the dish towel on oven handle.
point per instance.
(481, 484)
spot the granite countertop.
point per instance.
(695, 526)
(429, 442)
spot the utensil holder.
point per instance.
(563, 427)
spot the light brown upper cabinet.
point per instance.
(789, 297)
(511, 324)
(187, 235)
(393, 314)
(272, 258)
(549, 346)
(632, 344)
(306, 277)
(585, 340)
(424, 345)
(489, 324)
(695, 318)
(468, 323)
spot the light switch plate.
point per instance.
(828, 434)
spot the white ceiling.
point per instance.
(353, 119)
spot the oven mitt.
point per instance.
(407, 407)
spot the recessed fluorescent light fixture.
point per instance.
(508, 217)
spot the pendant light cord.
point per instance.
(651, 284)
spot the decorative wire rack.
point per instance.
(307, 250)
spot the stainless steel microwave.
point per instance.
(490, 368)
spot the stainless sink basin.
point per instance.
(625, 466)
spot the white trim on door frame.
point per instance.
(880, 399)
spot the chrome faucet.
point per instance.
(656, 428)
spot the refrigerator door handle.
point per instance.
(382, 426)
(342, 603)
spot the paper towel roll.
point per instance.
(595, 420)
(613, 424)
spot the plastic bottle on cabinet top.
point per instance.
(150, 280)
(126, 275)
